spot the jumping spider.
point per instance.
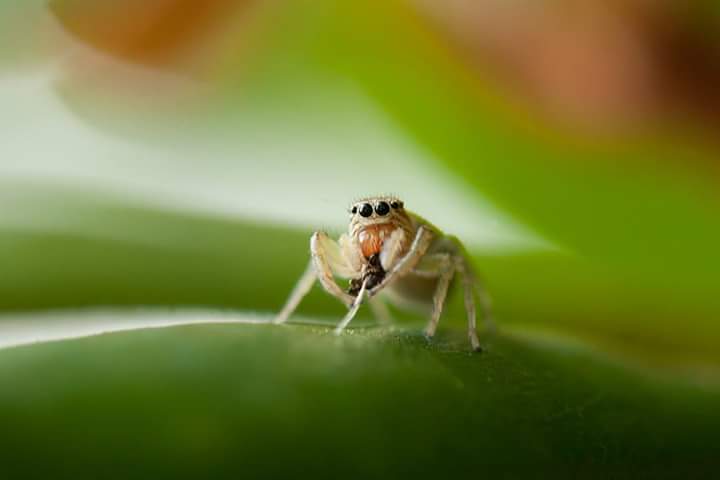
(390, 250)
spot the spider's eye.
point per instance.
(354, 210)
(395, 205)
(366, 210)
(382, 208)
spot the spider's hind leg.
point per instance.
(469, 284)
(486, 305)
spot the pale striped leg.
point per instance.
(327, 259)
(302, 288)
(469, 287)
(486, 305)
(381, 311)
(353, 309)
(420, 244)
(439, 299)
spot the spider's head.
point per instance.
(373, 219)
(376, 211)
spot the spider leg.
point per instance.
(432, 265)
(326, 259)
(469, 284)
(473, 285)
(485, 305)
(391, 249)
(350, 253)
(302, 288)
(353, 308)
(420, 244)
(381, 311)
(441, 267)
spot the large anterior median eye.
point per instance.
(366, 210)
(382, 208)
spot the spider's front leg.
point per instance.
(326, 262)
(353, 308)
(388, 257)
(421, 243)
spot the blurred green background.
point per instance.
(165, 163)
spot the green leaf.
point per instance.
(263, 401)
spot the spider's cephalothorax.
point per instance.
(388, 249)
(374, 220)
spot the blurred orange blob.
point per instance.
(610, 64)
(160, 32)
